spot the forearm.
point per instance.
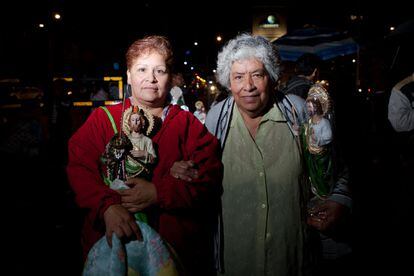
(341, 192)
(90, 190)
(206, 187)
(176, 193)
(194, 143)
(85, 178)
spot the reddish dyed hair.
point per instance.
(147, 45)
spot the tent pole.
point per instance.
(357, 80)
(395, 58)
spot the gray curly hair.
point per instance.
(246, 46)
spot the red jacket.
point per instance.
(185, 211)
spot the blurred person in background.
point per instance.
(200, 111)
(306, 73)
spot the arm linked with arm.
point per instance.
(203, 149)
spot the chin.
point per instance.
(147, 98)
(252, 106)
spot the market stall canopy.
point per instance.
(403, 32)
(324, 42)
(401, 40)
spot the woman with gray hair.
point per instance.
(243, 47)
(263, 228)
(264, 199)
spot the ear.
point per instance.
(128, 77)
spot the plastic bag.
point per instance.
(150, 256)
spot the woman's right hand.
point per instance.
(119, 221)
(184, 170)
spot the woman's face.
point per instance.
(249, 83)
(149, 80)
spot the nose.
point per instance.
(248, 83)
(151, 76)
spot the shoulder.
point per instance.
(397, 97)
(297, 101)
(146, 139)
(185, 125)
(220, 106)
(286, 103)
(217, 112)
(408, 89)
(177, 116)
(175, 111)
(97, 127)
(113, 109)
(297, 82)
(97, 115)
(106, 112)
(408, 81)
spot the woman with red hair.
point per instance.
(182, 212)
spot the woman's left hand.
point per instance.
(184, 170)
(141, 195)
(327, 215)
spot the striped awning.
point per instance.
(326, 43)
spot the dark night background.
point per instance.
(40, 217)
(92, 35)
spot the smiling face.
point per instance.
(249, 83)
(149, 79)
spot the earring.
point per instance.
(129, 90)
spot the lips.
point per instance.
(250, 99)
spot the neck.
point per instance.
(252, 119)
(252, 124)
(155, 110)
(136, 134)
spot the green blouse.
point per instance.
(263, 200)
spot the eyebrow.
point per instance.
(143, 64)
(255, 71)
(259, 71)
